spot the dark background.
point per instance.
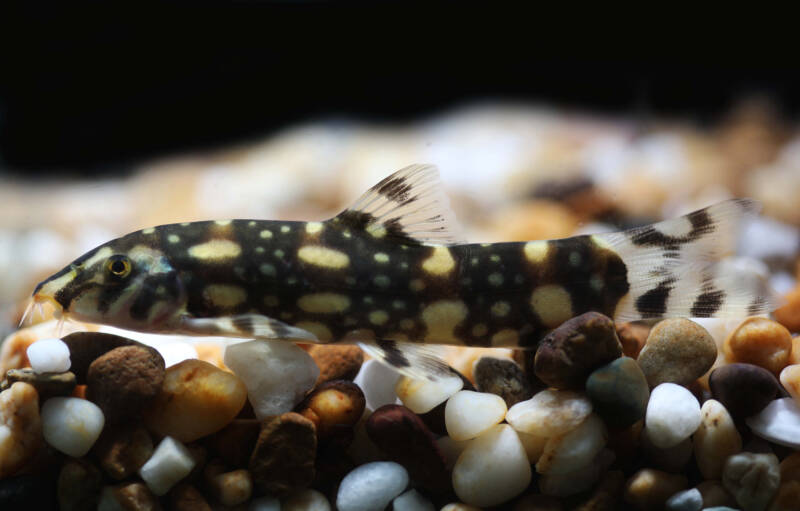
(86, 90)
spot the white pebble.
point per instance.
(568, 453)
(779, 422)
(412, 501)
(673, 414)
(176, 352)
(533, 444)
(377, 381)
(371, 486)
(307, 499)
(49, 356)
(549, 413)
(71, 425)
(686, 500)
(277, 374)
(421, 396)
(170, 463)
(265, 503)
(493, 469)
(469, 414)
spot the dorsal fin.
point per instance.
(409, 206)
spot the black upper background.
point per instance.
(85, 89)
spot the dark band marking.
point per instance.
(396, 189)
(757, 307)
(653, 303)
(244, 324)
(392, 353)
(708, 303)
(702, 224)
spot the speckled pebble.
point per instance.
(47, 385)
(760, 341)
(371, 486)
(677, 351)
(20, 427)
(743, 389)
(493, 468)
(715, 439)
(686, 500)
(283, 458)
(503, 377)
(549, 413)
(469, 414)
(753, 479)
(619, 392)
(779, 422)
(673, 414)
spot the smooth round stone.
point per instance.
(196, 400)
(421, 396)
(308, 499)
(283, 458)
(493, 469)
(790, 379)
(412, 501)
(371, 486)
(677, 351)
(85, 347)
(571, 483)
(377, 381)
(753, 479)
(503, 377)
(49, 356)
(759, 341)
(71, 425)
(20, 427)
(469, 414)
(333, 405)
(277, 374)
(650, 489)
(619, 392)
(673, 414)
(568, 453)
(744, 389)
(686, 500)
(568, 354)
(549, 413)
(336, 361)
(170, 462)
(779, 422)
(715, 439)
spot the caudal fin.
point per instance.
(685, 266)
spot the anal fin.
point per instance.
(417, 361)
(250, 326)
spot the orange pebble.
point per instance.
(790, 379)
(759, 341)
(794, 357)
(789, 314)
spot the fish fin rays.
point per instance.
(685, 266)
(249, 326)
(418, 361)
(408, 206)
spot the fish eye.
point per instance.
(119, 266)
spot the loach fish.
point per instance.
(392, 274)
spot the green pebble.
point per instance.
(619, 392)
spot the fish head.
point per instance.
(134, 287)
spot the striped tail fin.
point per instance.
(685, 267)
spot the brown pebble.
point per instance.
(607, 493)
(229, 488)
(85, 347)
(502, 377)
(632, 336)
(79, 484)
(131, 497)
(21, 427)
(234, 443)
(336, 362)
(788, 314)
(185, 497)
(124, 380)
(649, 489)
(123, 450)
(335, 403)
(283, 459)
(46, 384)
(677, 351)
(761, 342)
(787, 498)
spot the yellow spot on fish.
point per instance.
(311, 227)
(575, 258)
(536, 251)
(552, 303)
(101, 255)
(494, 258)
(479, 330)
(285, 229)
(407, 324)
(441, 318)
(173, 238)
(367, 300)
(149, 230)
(378, 231)
(259, 250)
(347, 234)
(398, 304)
(505, 337)
(324, 303)
(495, 279)
(378, 317)
(185, 224)
(222, 223)
(251, 223)
(381, 257)
(266, 234)
(416, 285)
(224, 296)
(382, 281)
(268, 269)
(440, 263)
(323, 257)
(596, 282)
(501, 309)
(279, 253)
(322, 332)
(215, 250)
(271, 301)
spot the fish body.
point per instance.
(391, 273)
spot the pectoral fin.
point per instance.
(410, 359)
(251, 326)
